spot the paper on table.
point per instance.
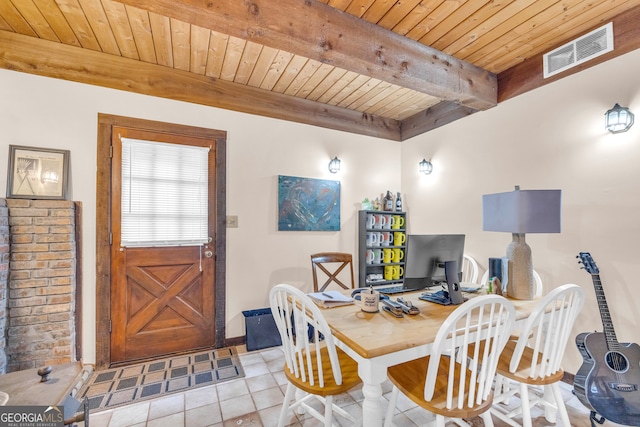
(330, 299)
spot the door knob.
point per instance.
(208, 254)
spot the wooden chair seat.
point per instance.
(410, 379)
(350, 376)
(524, 367)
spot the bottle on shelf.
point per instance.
(388, 201)
(398, 203)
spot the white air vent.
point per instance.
(587, 47)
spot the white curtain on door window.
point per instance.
(164, 194)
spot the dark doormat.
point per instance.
(134, 383)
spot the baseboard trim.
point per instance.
(235, 341)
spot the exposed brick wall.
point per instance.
(4, 277)
(42, 283)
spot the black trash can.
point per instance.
(261, 329)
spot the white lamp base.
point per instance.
(520, 284)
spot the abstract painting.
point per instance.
(307, 204)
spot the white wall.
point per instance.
(42, 112)
(550, 138)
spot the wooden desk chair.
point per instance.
(314, 367)
(458, 387)
(331, 265)
(469, 270)
(535, 358)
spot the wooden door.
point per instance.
(162, 297)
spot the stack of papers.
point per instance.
(328, 299)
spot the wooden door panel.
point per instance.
(112, 344)
(162, 298)
(166, 303)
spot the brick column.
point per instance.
(4, 277)
(41, 328)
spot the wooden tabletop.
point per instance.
(376, 334)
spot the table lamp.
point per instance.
(520, 212)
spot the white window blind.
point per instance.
(164, 194)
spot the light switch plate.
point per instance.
(232, 221)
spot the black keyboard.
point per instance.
(394, 290)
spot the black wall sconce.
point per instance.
(618, 119)
(334, 165)
(425, 167)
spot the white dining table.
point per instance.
(378, 340)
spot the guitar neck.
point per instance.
(607, 323)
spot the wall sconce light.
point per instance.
(425, 167)
(334, 165)
(618, 119)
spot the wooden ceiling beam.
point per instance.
(36, 56)
(432, 118)
(314, 30)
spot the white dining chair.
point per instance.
(469, 269)
(315, 368)
(461, 386)
(533, 362)
(502, 386)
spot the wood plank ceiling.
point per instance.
(385, 68)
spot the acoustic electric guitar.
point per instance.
(607, 382)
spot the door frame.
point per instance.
(106, 122)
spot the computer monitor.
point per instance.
(426, 255)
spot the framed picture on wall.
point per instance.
(307, 204)
(37, 173)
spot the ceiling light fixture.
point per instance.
(618, 119)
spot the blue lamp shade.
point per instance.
(522, 211)
(618, 119)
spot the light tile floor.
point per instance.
(256, 400)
